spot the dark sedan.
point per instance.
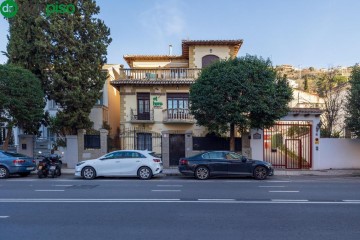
(224, 163)
(15, 163)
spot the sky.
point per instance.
(303, 33)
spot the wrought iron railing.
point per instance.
(145, 116)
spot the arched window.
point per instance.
(209, 59)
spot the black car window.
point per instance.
(232, 156)
(216, 155)
(206, 156)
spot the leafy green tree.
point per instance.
(329, 86)
(67, 52)
(244, 93)
(353, 102)
(21, 100)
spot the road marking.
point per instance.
(216, 199)
(276, 181)
(166, 190)
(272, 186)
(63, 185)
(4, 216)
(284, 191)
(177, 201)
(169, 185)
(289, 200)
(351, 201)
(49, 190)
(239, 181)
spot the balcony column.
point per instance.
(188, 143)
(165, 151)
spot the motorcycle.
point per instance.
(49, 166)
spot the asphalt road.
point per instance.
(180, 208)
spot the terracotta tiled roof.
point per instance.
(305, 111)
(151, 82)
(185, 50)
(186, 43)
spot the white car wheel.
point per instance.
(144, 173)
(88, 173)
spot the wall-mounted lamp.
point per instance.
(318, 126)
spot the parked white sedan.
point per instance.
(141, 163)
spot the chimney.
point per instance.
(170, 49)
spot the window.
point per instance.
(143, 106)
(214, 155)
(178, 105)
(144, 141)
(208, 60)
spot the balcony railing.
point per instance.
(141, 117)
(178, 115)
(159, 73)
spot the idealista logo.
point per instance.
(60, 8)
(9, 8)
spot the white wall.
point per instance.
(339, 153)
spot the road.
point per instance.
(180, 208)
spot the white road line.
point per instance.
(289, 200)
(271, 186)
(284, 191)
(216, 199)
(166, 190)
(169, 185)
(49, 190)
(275, 181)
(4, 216)
(238, 181)
(63, 185)
(351, 201)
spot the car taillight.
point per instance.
(183, 162)
(156, 160)
(18, 161)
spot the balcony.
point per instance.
(146, 117)
(159, 74)
(178, 115)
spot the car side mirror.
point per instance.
(243, 159)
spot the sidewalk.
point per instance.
(278, 172)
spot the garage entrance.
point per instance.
(288, 145)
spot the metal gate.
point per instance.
(140, 139)
(176, 148)
(288, 144)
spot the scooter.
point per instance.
(49, 166)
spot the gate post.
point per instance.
(103, 141)
(245, 144)
(165, 143)
(26, 145)
(188, 143)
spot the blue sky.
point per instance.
(303, 33)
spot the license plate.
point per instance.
(29, 168)
(52, 167)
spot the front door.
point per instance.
(236, 165)
(143, 105)
(176, 148)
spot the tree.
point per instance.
(67, 52)
(353, 102)
(244, 93)
(21, 100)
(329, 87)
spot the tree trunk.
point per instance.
(7, 138)
(232, 137)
